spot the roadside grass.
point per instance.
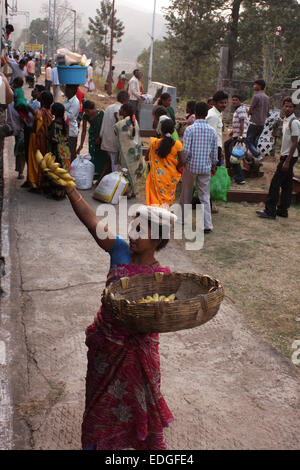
(258, 263)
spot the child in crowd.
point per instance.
(58, 145)
(100, 158)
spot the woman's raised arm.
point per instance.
(88, 217)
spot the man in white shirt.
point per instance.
(215, 119)
(107, 134)
(278, 204)
(134, 90)
(55, 84)
(72, 107)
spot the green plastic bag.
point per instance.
(220, 185)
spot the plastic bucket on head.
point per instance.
(72, 75)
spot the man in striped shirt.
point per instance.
(201, 149)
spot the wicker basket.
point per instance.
(198, 300)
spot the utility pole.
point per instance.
(152, 47)
(54, 26)
(111, 48)
(49, 27)
(75, 25)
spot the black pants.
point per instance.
(48, 84)
(284, 181)
(237, 169)
(72, 142)
(30, 80)
(27, 133)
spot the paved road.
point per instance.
(227, 388)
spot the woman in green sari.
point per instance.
(130, 148)
(166, 101)
(100, 158)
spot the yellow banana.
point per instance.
(54, 167)
(60, 172)
(157, 298)
(67, 177)
(39, 157)
(172, 297)
(48, 159)
(71, 184)
(62, 183)
(53, 176)
(43, 164)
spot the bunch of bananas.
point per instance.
(58, 175)
(157, 298)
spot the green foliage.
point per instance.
(189, 56)
(260, 50)
(100, 33)
(38, 31)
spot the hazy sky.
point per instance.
(88, 8)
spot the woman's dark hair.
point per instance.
(58, 111)
(220, 96)
(40, 88)
(191, 107)
(46, 99)
(160, 111)
(164, 96)
(128, 109)
(18, 82)
(163, 242)
(89, 105)
(167, 143)
(123, 96)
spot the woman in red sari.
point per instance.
(124, 405)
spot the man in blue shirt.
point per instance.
(201, 149)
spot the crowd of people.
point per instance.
(124, 405)
(114, 139)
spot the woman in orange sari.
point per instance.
(166, 158)
(39, 139)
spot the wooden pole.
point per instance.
(152, 47)
(111, 48)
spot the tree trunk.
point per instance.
(233, 35)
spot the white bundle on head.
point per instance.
(157, 215)
(161, 120)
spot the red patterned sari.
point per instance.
(124, 405)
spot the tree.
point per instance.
(257, 48)
(83, 46)
(162, 63)
(64, 24)
(100, 33)
(269, 41)
(38, 31)
(195, 32)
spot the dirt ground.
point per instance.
(226, 386)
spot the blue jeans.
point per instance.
(253, 135)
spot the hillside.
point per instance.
(138, 27)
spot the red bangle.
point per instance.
(78, 200)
